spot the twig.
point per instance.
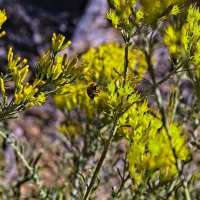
(160, 104)
(100, 162)
(126, 62)
(20, 155)
(31, 170)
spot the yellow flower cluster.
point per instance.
(24, 92)
(56, 69)
(2, 87)
(3, 18)
(154, 10)
(148, 12)
(105, 62)
(185, 42)
(120, 19)
(172, 40)
(53, 73)
(18, 68)
(29, 95)
(59, 43)
(150, 154)
(100, 65)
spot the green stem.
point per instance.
(100, 162)
(126, 62)
(187, 194)
(160, 104)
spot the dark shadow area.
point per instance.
(75, 7)
(31, 23)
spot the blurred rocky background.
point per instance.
(29, 28)
(31, 23)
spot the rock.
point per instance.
(31, 23)
(93, 28)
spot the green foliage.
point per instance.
(53, 72)
(150, 155)
(102, 105)
(120, 19)
(106, 62)
(155, 145)
(100, 65)
(3, 18)
(24, 92)
(154, 10)
(59, 43)
(149, 12)
(183, 43)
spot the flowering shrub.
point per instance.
(103, 105)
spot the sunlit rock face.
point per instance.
(93, 29)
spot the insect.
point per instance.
(92, 90)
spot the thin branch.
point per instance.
(160, 104)
(32, 170)
(126, 61)
(100, 162)
(20, 155)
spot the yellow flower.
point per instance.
(2, 87)
(150, 148)
(3, 17)
(59, 43)
(157, 9)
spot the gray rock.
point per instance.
(93, 28)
